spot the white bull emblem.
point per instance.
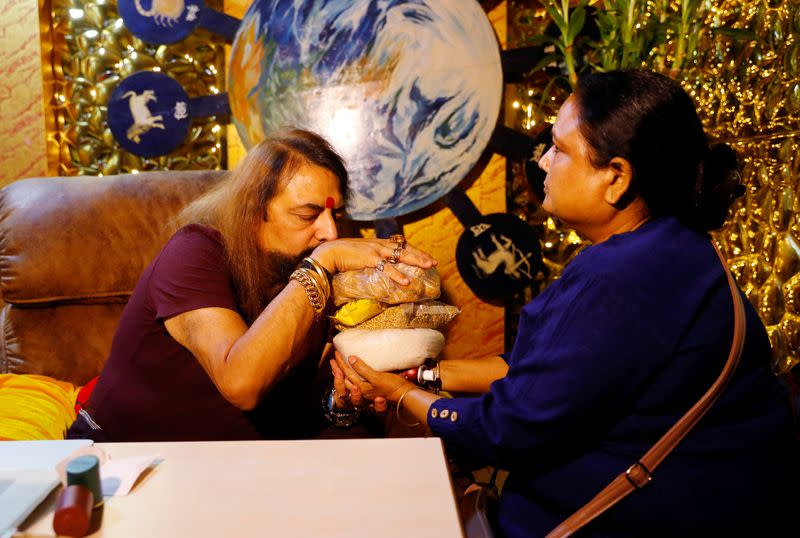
(163, 12)
(143, 120)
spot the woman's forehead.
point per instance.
(567, 117)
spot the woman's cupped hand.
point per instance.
(363, 384)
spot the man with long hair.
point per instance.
(222, 335)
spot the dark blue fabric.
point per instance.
(606, 360)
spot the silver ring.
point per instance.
(380, 265)
(396, 254)
(345, 396)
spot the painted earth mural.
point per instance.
(407, 91)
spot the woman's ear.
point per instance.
(619, 182)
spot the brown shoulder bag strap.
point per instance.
(639, 474)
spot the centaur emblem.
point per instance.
(143, 120)
(514, 261)
(163, 12)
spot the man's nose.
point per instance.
(544, 161)
(326, 227)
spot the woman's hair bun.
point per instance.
(718, 185)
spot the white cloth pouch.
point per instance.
(390, 349)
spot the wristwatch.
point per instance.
(341, 418)
(426, 376)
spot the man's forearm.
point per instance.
(277, 339)
(471, 375)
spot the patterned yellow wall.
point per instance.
(22, 114)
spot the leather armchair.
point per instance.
(71, 252)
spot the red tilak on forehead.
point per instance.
(329, 203)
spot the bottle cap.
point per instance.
(73, 511)
(85, 471)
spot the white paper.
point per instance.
(118, 476)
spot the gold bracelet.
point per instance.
(322, 272)
(399, 402)
(312, 289)
(321, 283)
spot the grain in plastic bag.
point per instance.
(427, 315)
(373, 284)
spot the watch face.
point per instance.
(149, 114)
(160, 21)
(341, 418)
(498, 256)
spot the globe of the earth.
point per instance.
(407, 91)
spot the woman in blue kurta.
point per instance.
(632, 334)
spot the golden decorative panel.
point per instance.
(92, 53)
(741, 64)
(748, 92)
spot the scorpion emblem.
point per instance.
(163, 12)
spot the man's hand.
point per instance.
(356, 254)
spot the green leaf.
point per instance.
(557, 18)
(576, 23)
(691, 6)
(736, 33)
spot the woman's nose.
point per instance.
(544, 161)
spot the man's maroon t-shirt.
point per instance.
(152, 388)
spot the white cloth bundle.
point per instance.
(390, 349)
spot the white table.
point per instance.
(349, 488)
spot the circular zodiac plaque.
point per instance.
(408, 92)
(161, 21)
(497, 256)
(149, 114)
